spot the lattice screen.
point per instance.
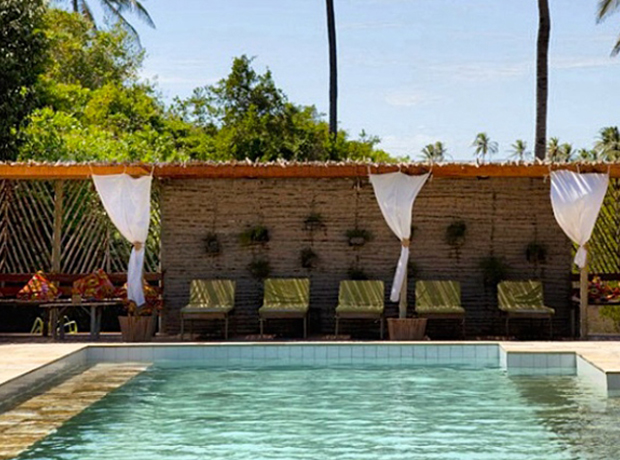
(88, 238)
(605, 243)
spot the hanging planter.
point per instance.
(308, 258)
(254, 235)
(536, 253)
(313, 222)
(358, 237)
(494, 270)
(455, 234)
(212, 244)
(259, 268)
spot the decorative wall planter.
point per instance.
(308, 258)
(254, 235)
(536, 253)
(494, 270)
(260, 268)
(212, 244)
(406, 328)
(455, 233)
(314, 222)
(358, 237)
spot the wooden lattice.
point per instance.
(88, 240)
(604, 254)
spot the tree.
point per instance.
(333, 68)
(608, 145)
(484, 146)
(519, 150)
(587, 155)
(605, 9)
(542, 77)
(559, 153)
(22, 59)
(116, 10)
(435, 153)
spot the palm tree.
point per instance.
(519, 150)
(435, 153)
(484, 146)
(605, 9)
(558, 153)
(566, 152)
(608, 145)
(587, 155)
(116, 9)
(542, 77)
(333, 69)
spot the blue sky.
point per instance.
(410, 71)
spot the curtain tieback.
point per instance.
(405, 242)
(137, 245)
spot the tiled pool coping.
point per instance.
(25, 366)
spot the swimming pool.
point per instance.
(355, 411)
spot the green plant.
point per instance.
(494, 269)
(611, 312)
(358, 237)
(308, 258)
(536, 253)
(260, 268)
(455, 233)
(314, 221)
(212, 244)
(357, 274)
(254, 235)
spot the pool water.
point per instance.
(348, 413)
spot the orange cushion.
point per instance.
(152, 299)
(96, 285)
(39, 288)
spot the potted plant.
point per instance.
(314, 221)
(536, 253)
(140, 322)
(254, 235)
(259, 268)
(494, 270)
(358, 237)
(308, 258)
(403, 328)
(455, 234)
(212, 244)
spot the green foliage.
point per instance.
(494, 270)
(254, 235)
(358, 237)
(314, 221)
(308, 258)
(536, 253)
(455, 233)
(212, 244)
(22, 59)
(611, 312)
(259, 268)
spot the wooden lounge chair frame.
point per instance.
(534, 290)
(343, 300)
(200, 291)
(441, 293)
(288, 292)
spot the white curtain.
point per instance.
(128, 204)
(396, 193)
(576, 200)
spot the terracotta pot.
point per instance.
(406, 328)
(137, 328)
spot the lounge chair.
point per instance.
(361, 300)
(439, 300)
(209, 299)
(523, 299)
(285, 298)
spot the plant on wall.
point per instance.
(536, 253)
(254, 235)
(314, 221)
(455, 233)
(358, 237)
(259, 268)
(308, 258)
(494, 269)
(212, 244)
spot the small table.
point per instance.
(93, 307)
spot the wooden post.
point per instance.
(59, 195)
(402, 304)
(583, 302)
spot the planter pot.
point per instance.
(137, 328)
(406, 328)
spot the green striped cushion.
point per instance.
(210, 295)
(522, 296)
(286, 294)
(361, 297)
(438, 297)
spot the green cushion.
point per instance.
(361, 297)
(522, 297)
(438, 297)
(210, 296)
(286, 294)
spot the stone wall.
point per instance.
(502, 216)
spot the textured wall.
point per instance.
(502, 217)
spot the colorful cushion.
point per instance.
(96, 285)
(152, 300)
(39, 288)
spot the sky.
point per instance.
(410, 71)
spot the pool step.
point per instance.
(39, 416)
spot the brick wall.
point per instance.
(502, 215)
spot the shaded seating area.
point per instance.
(361, 300)
(285, 298)
(439, 300)
(208, 300)
(523, 299)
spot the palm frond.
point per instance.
(110, 9)
(134, 7)
(606, 8)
